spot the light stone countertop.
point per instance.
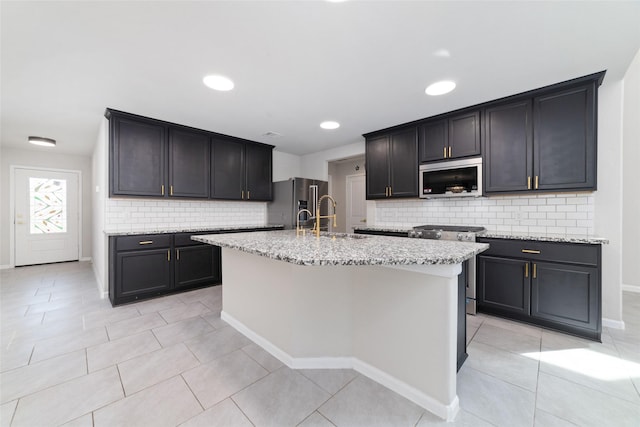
(540, 237)
(345, 249)
(193, 230)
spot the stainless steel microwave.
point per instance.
(455, 178)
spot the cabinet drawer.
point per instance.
(574, 253)
(184, 239)
(143, 241)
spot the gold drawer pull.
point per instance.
(145, 242)
(535, 271)
(530, 251)
(528, 183)
(526, 270)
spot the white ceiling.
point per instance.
(295, 63)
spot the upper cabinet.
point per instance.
(138, 157)
(545, 141)
(241, 171)
(450, 137)
(392, 164)
(189, 162)
(152, 158)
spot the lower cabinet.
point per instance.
(144, 266)
(554, 285)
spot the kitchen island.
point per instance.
(384, 306)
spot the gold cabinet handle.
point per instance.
(248, 195)
(171, 190)
(168, 254)
(145, 242)
(530, 251)
(390, 192)
(449, 151)
(386, 191)
(536, 182)
(444, 152)
(177, 254)
(526, 270)
(528, 183)
(535, 270)
(242, 194)
(162, 189)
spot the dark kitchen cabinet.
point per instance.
(138, 157)
(544, 140)
(144, 266)
(508, 147)
(392, 164)
(196, 263)
(505, 284)
(189, 163)
(564, 139)
(554, 285)
(140, 267)
(241, 171)
(152, 158)
(451, 137)
(566, 294)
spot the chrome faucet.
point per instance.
(316, 229)
(298, 228)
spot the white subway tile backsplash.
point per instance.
(565, 213)
(135, 214)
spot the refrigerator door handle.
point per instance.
(313, 195)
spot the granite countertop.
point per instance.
(547, 237)
(194, 230)
(541, 237)
(345, 249)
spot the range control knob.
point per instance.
(465, 237)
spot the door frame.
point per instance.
(12, 207)
(348, 201)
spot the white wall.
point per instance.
(608, 198)
(44, 158)
(316, 165)
(631, 155)
(285, 166)
(99, 192)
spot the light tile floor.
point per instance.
(69, 358)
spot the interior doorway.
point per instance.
(339, 171)
(46, 215)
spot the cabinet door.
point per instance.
(197, 265)
(189, 164)
(377, 159)
(566, 294)
(433, 140)
(503, 284)
(403, 168)
(142, 273)
(565, 140)
(138, 157)
(227, 169)
(258, 162)
(464, 135)
(508, 147)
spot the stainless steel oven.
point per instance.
(461, 233)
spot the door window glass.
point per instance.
(48, 201)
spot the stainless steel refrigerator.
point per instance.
(294, 194)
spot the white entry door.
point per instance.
(356, 202)
(46, 217)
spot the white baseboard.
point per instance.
(86, 258)
(631, 288)
(447, 412)
(6, 266)
(613, 324)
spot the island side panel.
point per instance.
(405, 325)
(303, 311)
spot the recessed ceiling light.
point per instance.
(44, 142)
(440, 88)
(217, 82)
(329, 125)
